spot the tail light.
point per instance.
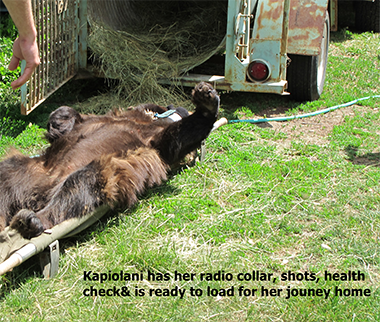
(258, 71)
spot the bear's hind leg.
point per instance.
(206, 99)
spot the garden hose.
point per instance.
(300, 116)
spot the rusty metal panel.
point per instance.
(269, 36)
(266, 42)
(268, 21)
(58, 26)
(306, 22)
(334, 15)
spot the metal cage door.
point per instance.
(62, 39)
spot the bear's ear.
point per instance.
(61, 122)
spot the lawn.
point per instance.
(279, 223)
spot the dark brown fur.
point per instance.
(94, 160)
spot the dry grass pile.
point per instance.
(140, 43)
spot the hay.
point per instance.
(140, 42)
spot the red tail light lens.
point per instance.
(258, 71)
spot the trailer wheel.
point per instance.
(367, 16)
(306, 74)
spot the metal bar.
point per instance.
(284, 40)
(18, 257)
(82, 35)
(62, 230)
(230, 50)
(49, 260)
(221, 83)
(334, 15)
(24, 92)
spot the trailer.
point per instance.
(271, 46)
(276, 47)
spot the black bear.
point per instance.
(94, 160)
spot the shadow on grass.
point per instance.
(368, 159)
(12, 123)
(260, 104)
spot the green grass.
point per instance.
(260, 202)
(8, 33)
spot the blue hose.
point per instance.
(288, 118)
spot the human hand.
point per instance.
(24, 49)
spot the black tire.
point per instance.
(367, 16)
(306, 74)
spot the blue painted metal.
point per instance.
(279, 27)
(264, 43)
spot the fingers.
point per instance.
(14, 63)
(23, 78)
(28, 71)
(27, 50)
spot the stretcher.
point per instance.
(14, 249)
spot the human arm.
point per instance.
(25, 46)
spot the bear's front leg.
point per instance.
(27, 224)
